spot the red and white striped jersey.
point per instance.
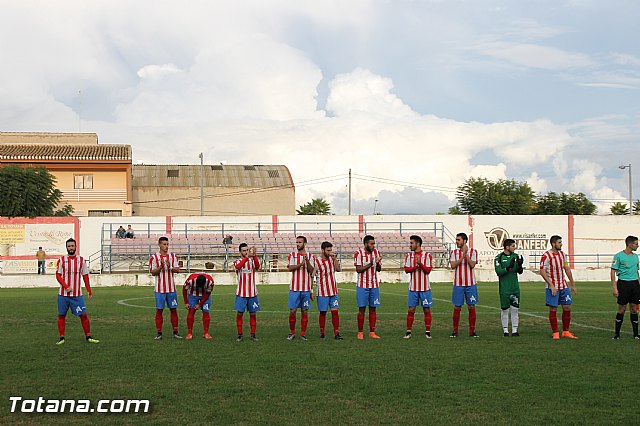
(463, 275)
(418, 279)
(326, 272)
(553, 265)
(301, 278)
(164, 281)
(368, 278)
(246, 277)
(192, 288)
(72, 268)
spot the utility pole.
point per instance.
(349, 192)
(201, 184)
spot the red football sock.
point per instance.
(553, 320)
(427, 319)
(159, 320)
(62, 322)
(472, 320)
(239, 316)
(456, 319)
(322, 321)
(360, 322)
(566, 320)
(190, 320)
(86, 324)
(206, 320)
(335, 320)
(174, 319)
(410, 317)
(252, 322)
(292, 322)
(304, 320)
(372, 321)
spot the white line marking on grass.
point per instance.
(530, 314)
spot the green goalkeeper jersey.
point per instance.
(508, 279)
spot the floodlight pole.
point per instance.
(201, 184)
(349, 192)
(628, 166)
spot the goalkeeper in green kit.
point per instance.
(508, 265)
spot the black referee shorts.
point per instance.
(628, 292)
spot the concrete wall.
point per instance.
(228, 201)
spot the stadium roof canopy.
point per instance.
(248, 176)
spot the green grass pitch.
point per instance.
(493, 379)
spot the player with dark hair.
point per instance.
(246, 291)
(627, 289)
(196, 293)
(71, 271)
(508, 264)
(368, 263)
(462, 260)
(553, 266)
(326, 266)
(300, 264)
(162, 266)
(418, 265)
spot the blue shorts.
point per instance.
(193, 301)
(76, 304)
(250, 304)
(562, 297)
(169, 300)
(299, 299)
(422, 298)
(368, 297)
(326, 302)
(462, 294)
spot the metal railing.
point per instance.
(585, 260)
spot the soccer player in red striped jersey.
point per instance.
(196, 293)
(246, 291)
(418, 265)
(553, 266)
(162, 266)
(462, 260)
(300, 264)
(326, 267)
(71, 271)
(368, 262)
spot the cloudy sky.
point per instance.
(413, 96)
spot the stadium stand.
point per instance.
(200, 248)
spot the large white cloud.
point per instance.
(233, 80)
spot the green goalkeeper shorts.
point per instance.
(507, 300)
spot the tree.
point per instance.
(316, 206)
(619, 208)
(29, 192)
(504, 197)
(564, 203)
(636, 207)
(455, 210)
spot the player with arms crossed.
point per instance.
(508, 264)
(462, 260)
(368, 263)
(196, 293)
(418, 265)
(71, 271)
(326, 267)
(301, 289)
(553, 266)
(627, 289)
(246, 291)
(162, 266)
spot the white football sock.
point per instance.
(514, 319)
(505, 320)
